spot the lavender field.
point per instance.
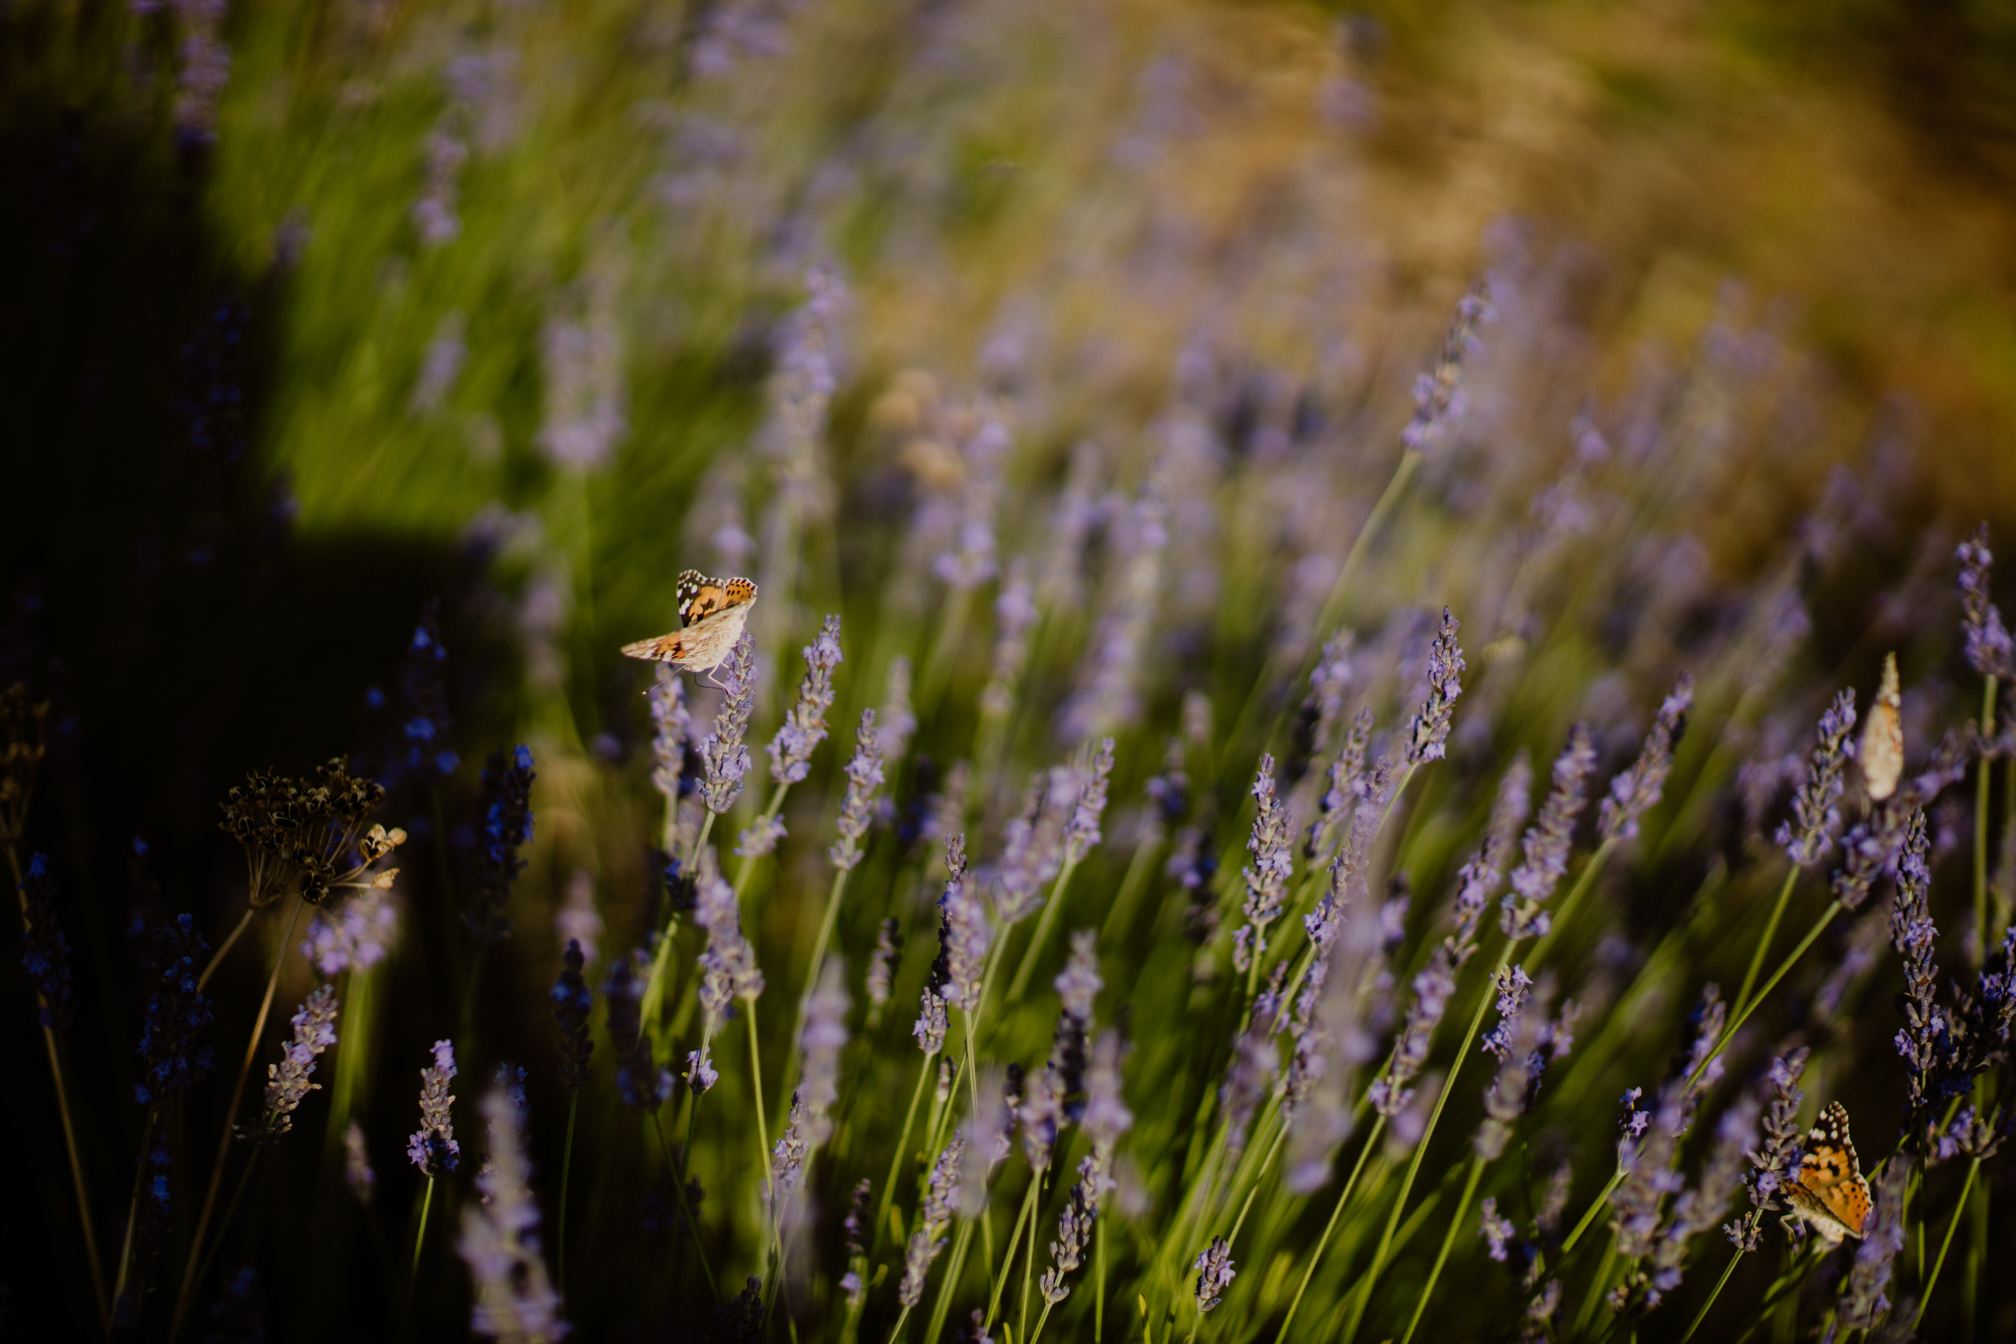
(1340, 680)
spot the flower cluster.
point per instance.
(306, 835)
(287, 1083)
(506, 804)
(433, 1148)
(804, 726)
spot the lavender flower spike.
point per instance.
(1774, 1163)
(1926, 1041)
(1637, 790)
(728, 965)
(1863, 1300)
(1081, 832)
(1438, 397)
(933, 1218)
(1816, 806)
(1270, 844)
(572, 1003)
(672, 723)
(804, 726)
(1990, 651)
(1544, 859)
(966, 933)
(1214, 1273)
(515, 1299)
(433, 1148)
(857, 808)
(287, 1083)
(820, 1043)
(1429, 732)
(723, 757)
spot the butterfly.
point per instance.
(1830, 1192)
(712, 613)
(1883, 737)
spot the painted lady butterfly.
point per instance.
(1830, 1192)
(712, 613)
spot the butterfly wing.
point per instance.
(1882, 754)
(664, 649)
(701, 597)
(712, 614)
(1830, 1191)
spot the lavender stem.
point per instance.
(1981, 823)
(1044, 923)
(1959, 1209)
(924, 1072)
(1764, 943)
(1343, 1198)
(1448, 1240)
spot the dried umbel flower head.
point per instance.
(306, 835)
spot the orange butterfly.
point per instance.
(712, 613)
(1830, 1192)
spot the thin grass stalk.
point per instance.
(69, 1130)
(1925, 1294)
(566, 1176)
(1448, 1240)
(756, 1096)
(826, 924)
(1735, 1259)
(1596, 1287)
(938, 664)
(419, 1241)
(1099, 1281)
(1329, 1228)
(1981, 823)
(230, 1212)
(1044, 923)
(1589, 1214)
(1792, 959)
(224, 1142)
(950, 1283)
(1764, 942)
(1029, 1199)
(896, 1159)
(685, 1209)
(1977, 1250)
(1029, 1261)
(217, 957)
(1428, 1132)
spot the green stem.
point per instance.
(950, 1283)
(420, 1239)
(217, 957)
(748, 867)
(1596, 1286)
(679, 1188)
(1040, 1320)
(1333, 605)
(1735, 1259)
(1589, 1215)
(1421, 1144)
(1029, 1261)
(756, 1095)
(1044, 923)
(1792, 959)
(1764, 943)
(1583, 881)
(896, 1159)
(1099, 1281)
(1448, 1240)
(1323, 1242)
(1925, 1295)
(566, 1174)
(1029, 1198)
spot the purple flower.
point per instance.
(1081, 832)
(1273, 864)
(882, 965)
(1989, 649)
(287, 1083)
(1215, 1273)
(1816, 806)
(728, 967)
(857, 807)
(1862, 1299)
(171, 1060)
(804, 726)
(572, 1003)
(433, 1148)
(47, 958)
(1430, 728)
(514, 1298)
(354, 935)
(1637, 790)
(933, 1218)
(1438, 397)
(965, 933)
(1498, 1231)
(672, 725)
(507, 827)
(723, 757)
(1545, 856)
